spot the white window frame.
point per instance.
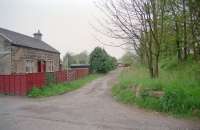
(29, 66)
(50, 65)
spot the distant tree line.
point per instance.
(156, 29)
(128, 58)
(100, 61)
(70, 58)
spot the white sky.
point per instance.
(63, 23)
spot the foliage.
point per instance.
(113, 62)
(68, 60)
(127, 58)
(81, 58)
(161, 29)
(123, 94)
(100, 61)
(57, 89)
(35, 92)
(181, 89)
(50, 78)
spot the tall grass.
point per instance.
(57, 89)
(180, 84)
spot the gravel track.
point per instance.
(88, 108)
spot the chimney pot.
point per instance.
(38, 35)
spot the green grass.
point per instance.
(181, 87)
(57, 89)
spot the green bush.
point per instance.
(35, 92)
(173, 100)
(181, 100)
(100, 61)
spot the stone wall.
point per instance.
(5, 56)
(21, 54)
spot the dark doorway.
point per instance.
(41, 66)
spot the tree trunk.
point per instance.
(150, 65)
(156, 38)
(198, 51)
(151, 70)
(178, 42)
(185, 31)
(156, 67)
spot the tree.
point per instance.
(140, 23)
(155, 28)
(194, 26)
(68, 60)
(127, 58)
(81, 58)
(113, 63)
(100, 61)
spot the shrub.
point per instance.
(173, 100)
(35, 92)
(100, 61)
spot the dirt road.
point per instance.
(89, 108)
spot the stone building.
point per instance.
(24, 54)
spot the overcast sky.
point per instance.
(65, 24)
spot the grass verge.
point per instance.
(57, 89)
(180, 88)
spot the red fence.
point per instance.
(20, 84)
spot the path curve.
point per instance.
(88, 108)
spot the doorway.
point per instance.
(41, 66)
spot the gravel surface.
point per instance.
(88, 108)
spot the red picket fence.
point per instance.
(81, 72)
(20, 84)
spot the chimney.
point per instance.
(38, 35)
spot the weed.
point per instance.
(180, 84)
(57, 89)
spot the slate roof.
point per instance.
(80, 66)
(26, 41)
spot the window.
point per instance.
(29, 64)
(50, 66)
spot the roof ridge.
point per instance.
(28, 41)
(19, 33)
